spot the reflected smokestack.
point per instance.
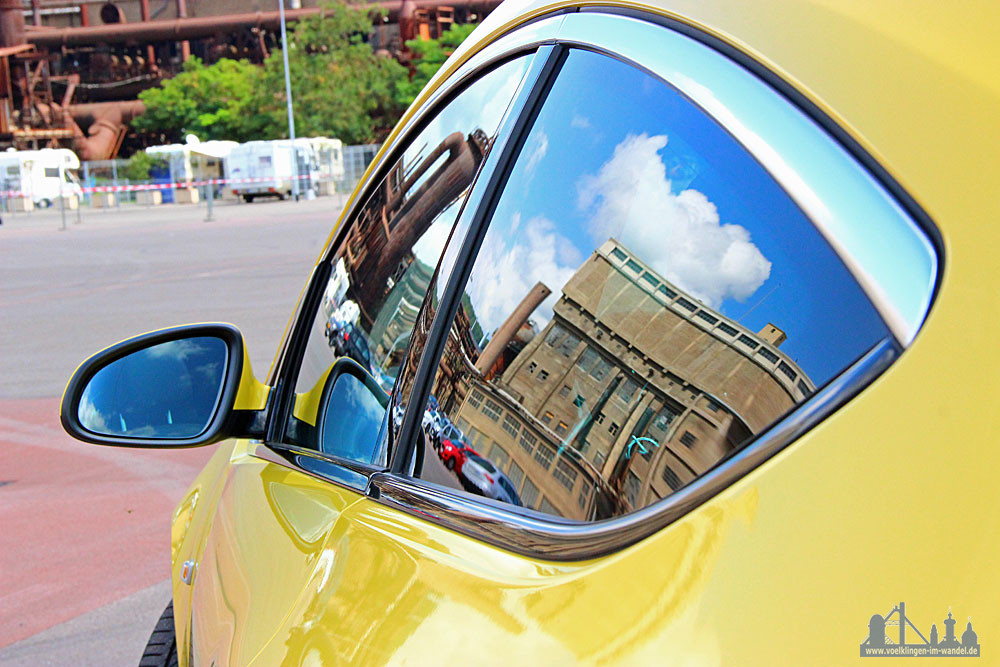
(511, 326)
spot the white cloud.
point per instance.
(516, 262)
(428, 248)
(679, 235)
(580, 122)
(537, 150)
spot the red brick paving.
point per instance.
(80, 525)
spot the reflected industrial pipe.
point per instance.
(511, 326)
(419, 210)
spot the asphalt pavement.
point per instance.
(85, 552)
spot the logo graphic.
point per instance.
(879, 644)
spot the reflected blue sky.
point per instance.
(637, 161)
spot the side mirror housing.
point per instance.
(181, 387)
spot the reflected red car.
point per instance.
(453, 454)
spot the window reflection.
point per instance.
(385, 266)
(645, 302)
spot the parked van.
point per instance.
(261, 169)
(266, 168)
(42, 175)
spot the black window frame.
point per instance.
(285, 370)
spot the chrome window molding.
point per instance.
(553, 538)
(342, 472)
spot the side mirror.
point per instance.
(353, 409)
(180, 387)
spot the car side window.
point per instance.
(645, 302)
(383, 268)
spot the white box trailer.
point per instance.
(329, 157)
(43, 176)
(260, 169)
(265, 168)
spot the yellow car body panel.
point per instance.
(891, 499)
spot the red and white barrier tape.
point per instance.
(163, 186)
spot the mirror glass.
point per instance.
(169, 390)
(352, 419)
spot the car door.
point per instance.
(664, 285)
(273, 549)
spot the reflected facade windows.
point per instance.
(649, 300)
(386, 266)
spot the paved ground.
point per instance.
(84, 554)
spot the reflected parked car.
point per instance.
(453, 454)
(348, 340)
(486, 479)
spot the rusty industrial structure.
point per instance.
(71, 70)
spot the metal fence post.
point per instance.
(208, 201)
(114, 181)
(62, 195)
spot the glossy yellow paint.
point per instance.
(252, 393)
(306, 405)
(269, 538)
(893, 499)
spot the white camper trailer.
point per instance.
(41, 176)
(192, 161)
(329, 157)
(261, 169)
(265, 168)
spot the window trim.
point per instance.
(528, 532)
(551, 537)
(284, 370)
(523, 531)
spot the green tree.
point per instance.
(340, 87)
(208, 101)
(428, 56)
(139, 165)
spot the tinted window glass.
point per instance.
(641, 258)
(386, 264)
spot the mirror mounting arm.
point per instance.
(249, 424)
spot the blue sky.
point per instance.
(637, 161)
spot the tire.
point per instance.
(248, 199)
(450, 464)
(161, 649)
(45, 203)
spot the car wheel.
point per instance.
(161, 649)
(450, 464)
(248, 199)
(45, 203)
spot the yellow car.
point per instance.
(679, 350)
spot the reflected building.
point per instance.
(383, 274)
(632, 390)
(379, 250)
